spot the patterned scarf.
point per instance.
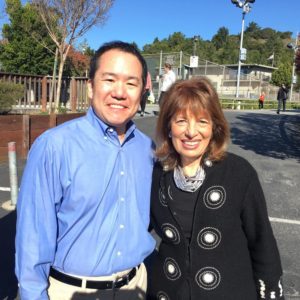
(186, 183)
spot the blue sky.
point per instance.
(142, 21)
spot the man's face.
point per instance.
(117, 88)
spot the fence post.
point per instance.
(44, 94)
(13, 172)
(26, 135)
(52, 120)
(73, 95)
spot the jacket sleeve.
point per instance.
(36, 222)
(262, 245)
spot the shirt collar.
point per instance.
(104, 128)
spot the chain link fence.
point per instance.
(224, 78)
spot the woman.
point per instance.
(207, 207)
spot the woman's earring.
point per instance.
(170, 134)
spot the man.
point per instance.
(168, 79)
(83, 209)
(148, 89)
(281, 98)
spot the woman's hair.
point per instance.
(191, 96)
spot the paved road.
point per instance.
(269, 141)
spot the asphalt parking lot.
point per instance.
(269, 141)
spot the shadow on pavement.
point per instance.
(274, 136)
(138, 294)
(8, 280)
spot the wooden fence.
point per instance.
(37, 91)
(24, 129)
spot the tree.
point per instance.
(77, 63)
(19, 51)
(68, 20)
(282, 75)
(220, 39)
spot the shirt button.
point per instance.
(122, 199)
(110, 130)
(105, 137)
(119, 253)
(122, 173)
(121, 226)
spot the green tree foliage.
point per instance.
(20, 51)
(9, 94)
(261, 43)
(220, 39)
(282, 75)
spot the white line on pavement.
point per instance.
(4, 189)
(288, 221)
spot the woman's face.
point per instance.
(191, 135)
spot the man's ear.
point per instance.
(90, 89)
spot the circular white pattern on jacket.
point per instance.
(171, 233)
(162, 197)
(214, 197)
(162, 296)
(209, 238)
(208, 278)
(208, 163)
(169, 192)
(171, 269)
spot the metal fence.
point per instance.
(38, 90)
(223, 78)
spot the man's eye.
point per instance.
(131, 83)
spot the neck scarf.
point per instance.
(188, 183)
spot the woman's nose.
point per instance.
(191, 129)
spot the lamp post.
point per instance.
(295, 48)
(242, 52)
(194, 57)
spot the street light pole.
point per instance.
(240, 53)
(246, 8)
(295, 48)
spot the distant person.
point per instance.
(261, 100)
(84, 204)
(208, 207)
(168, 78)
(281, 98)
(148, 90)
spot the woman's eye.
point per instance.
(203, 121)
(180, 121)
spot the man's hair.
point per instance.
(167, 65)
(191, 96)
(122, 46)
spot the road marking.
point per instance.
(287, 221)
(4, 189)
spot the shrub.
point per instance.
(9, 95)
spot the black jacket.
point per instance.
(282, 93)
(232, 254)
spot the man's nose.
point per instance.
(119, 91)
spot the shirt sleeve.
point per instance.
(262, 245)
(36, 234)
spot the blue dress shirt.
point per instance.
(84, 201)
